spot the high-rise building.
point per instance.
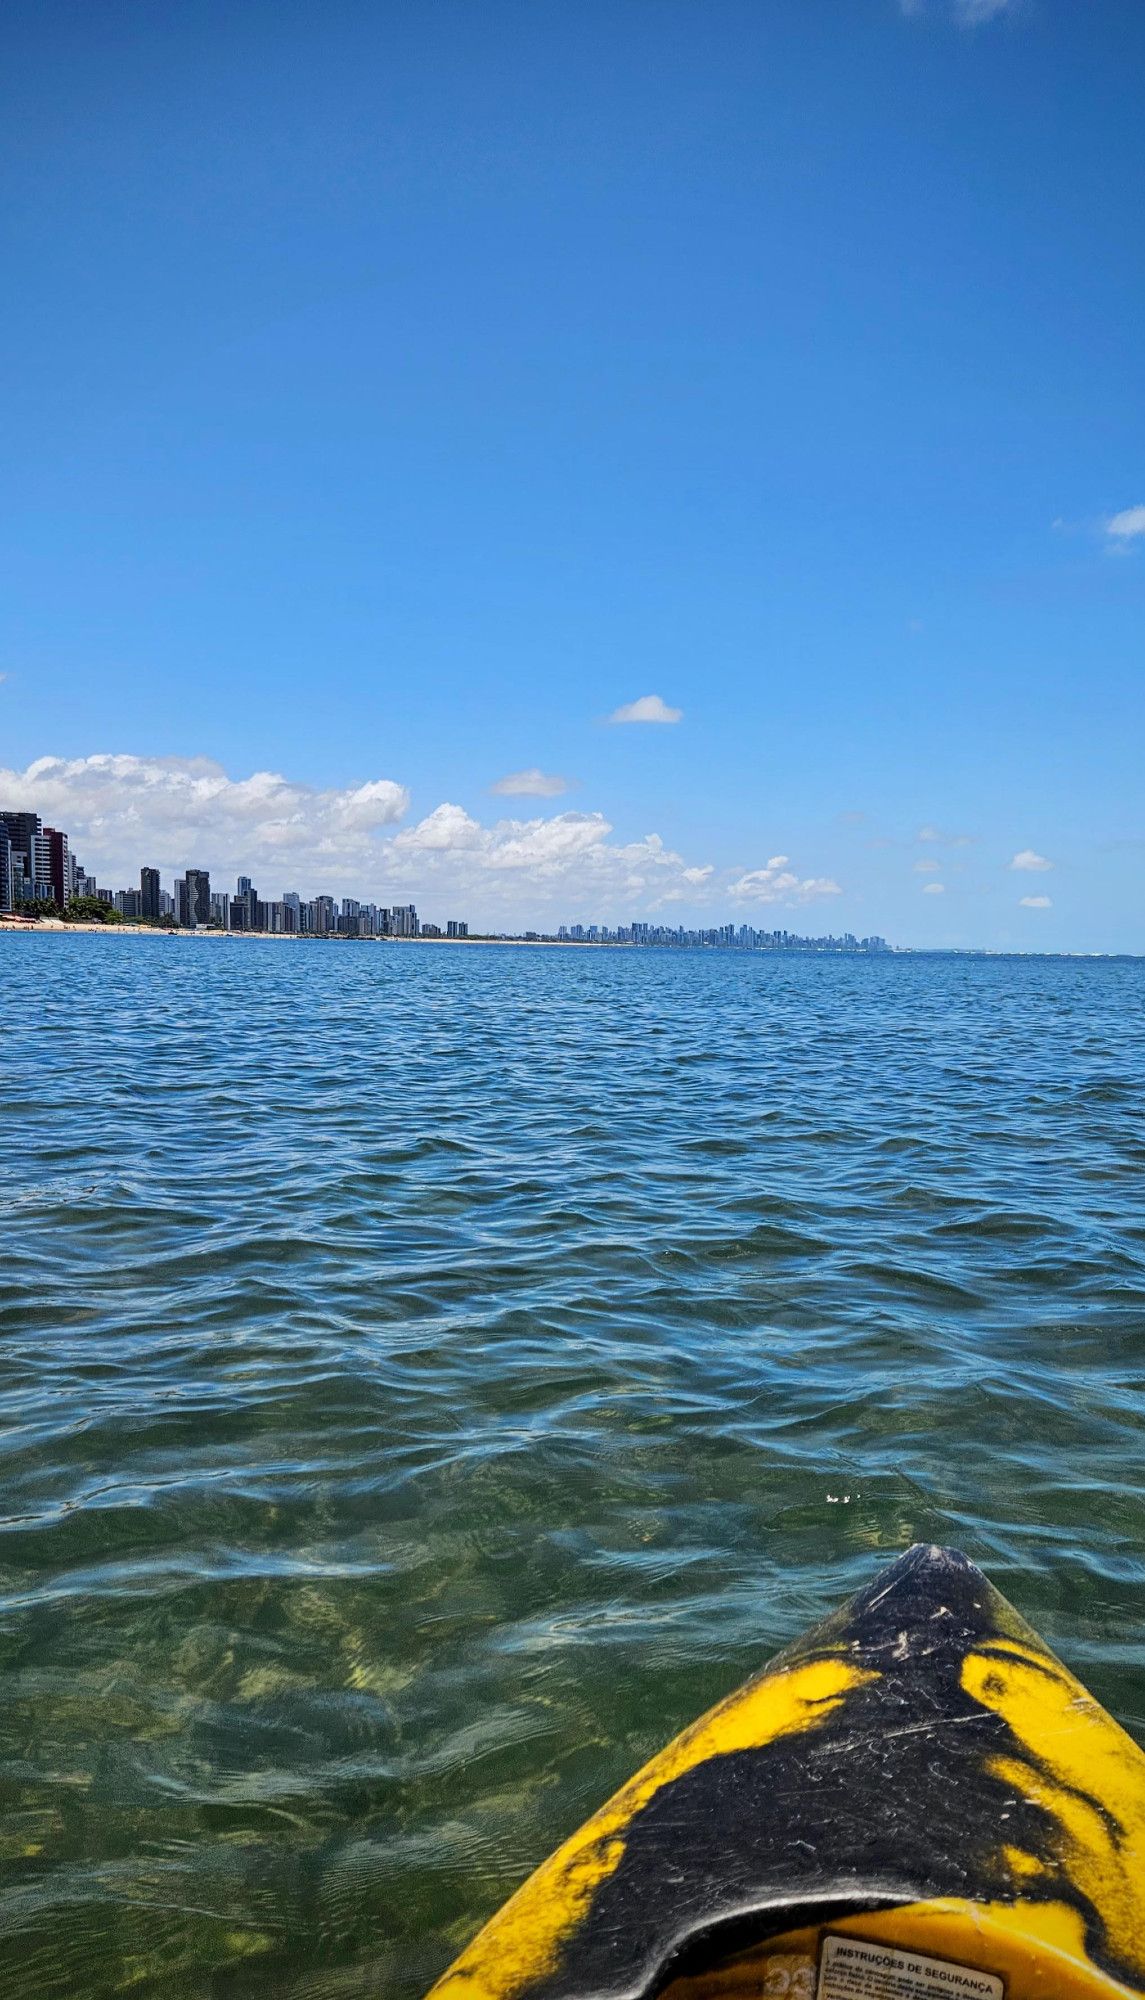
(455, 928)
(57, 865)
(403, 920)
(248, 894)
(23, 830)
(5, 868)
(198, 890)
(179, 902)
(149, 895)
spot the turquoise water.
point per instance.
(429, 1376)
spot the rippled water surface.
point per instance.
(430, 1376)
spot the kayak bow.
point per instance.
(915, 1800)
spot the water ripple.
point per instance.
(429, 1377)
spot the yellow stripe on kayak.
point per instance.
(1082, 1768)
(522, 1942)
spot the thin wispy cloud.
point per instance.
(530, 784)
(936, 834)
(777, 883)
(927, 867)
(1126, 527)
(964, 13)
(1035, 902)
(1029, 863)
(934, 889)
(649, 708)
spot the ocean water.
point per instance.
(430, 1376)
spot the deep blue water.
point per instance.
(430, 1376)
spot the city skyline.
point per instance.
(41, 875)
(514, 875)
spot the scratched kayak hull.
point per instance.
(915, 1800)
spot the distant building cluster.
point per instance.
(737, 937)
(38, 866)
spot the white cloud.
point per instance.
(927, 867)
(180, 812)
(1027, 862)
(776, 883)
(1126, 526)
(1035, 902)
(173, 813)
(530, 784)
(935, 833)
(934, 889)
(649, 708)
(540, 870)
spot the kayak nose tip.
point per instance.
(930, 1603)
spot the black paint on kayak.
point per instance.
(919, 1769)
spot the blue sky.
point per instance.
(397, 392)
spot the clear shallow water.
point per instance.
(429, 1377)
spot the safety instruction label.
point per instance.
(855, 1969)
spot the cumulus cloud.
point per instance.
(777, 883)
(649, 708)
(1035, 902)
(1126, 526)
(530, 784)
(552, 867)
(173, 813)
(934, 889)
(1029, 863)
(927, 867)
(179, 812)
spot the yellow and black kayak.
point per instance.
(916, 1801)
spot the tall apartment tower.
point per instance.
(22, 830)
(149, 895)
(28, 864)
(58, 866)
(198, 898)
(5, 869)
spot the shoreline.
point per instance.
(55, 927)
